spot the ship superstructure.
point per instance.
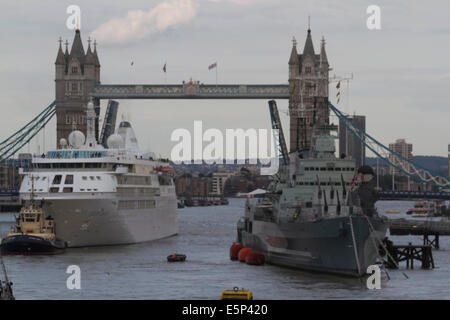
(104, 196)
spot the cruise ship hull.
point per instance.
(97, 222)
(325, 245)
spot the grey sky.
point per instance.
(401, 72)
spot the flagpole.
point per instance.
(217, 66)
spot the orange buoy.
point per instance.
(255, 258)
(234, 250)
(243, 253)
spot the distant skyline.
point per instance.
(401, 73)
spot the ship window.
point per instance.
(337, 169)
(67, 189)
(323, 169)
(91, 177)
(54, 189)
(69, 179)
(306, 169)
(57, 179)
(99, 178)
(84, 178)
(330, 169)
(81, 189)
(309, 204)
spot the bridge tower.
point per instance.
(308, 87)
(76, 75)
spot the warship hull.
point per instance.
(342, 245)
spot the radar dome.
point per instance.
(76, 139)
(63, 142)
(115, 141)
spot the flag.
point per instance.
(339, 99)
(337, 94)
(338, 85)
(212, 66)
(132, 62)
(164, 68)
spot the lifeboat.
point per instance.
(243, 253)
(176, 257)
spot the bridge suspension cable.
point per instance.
(392, 158)
(11, 145)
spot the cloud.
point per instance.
(139, 24)
(239, 1)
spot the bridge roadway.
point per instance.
(413, 195)
(191, 90)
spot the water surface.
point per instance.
(141, 271)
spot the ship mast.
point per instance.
(32, 191)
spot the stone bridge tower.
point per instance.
(76, 75)
(308, 86)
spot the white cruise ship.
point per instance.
(104, 196)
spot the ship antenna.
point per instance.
(319, 195)
(344, 190)
(338, 208)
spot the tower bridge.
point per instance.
(77, 80)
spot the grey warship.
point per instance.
(319, 211)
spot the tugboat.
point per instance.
(32, 233)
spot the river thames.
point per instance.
(141, 271)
